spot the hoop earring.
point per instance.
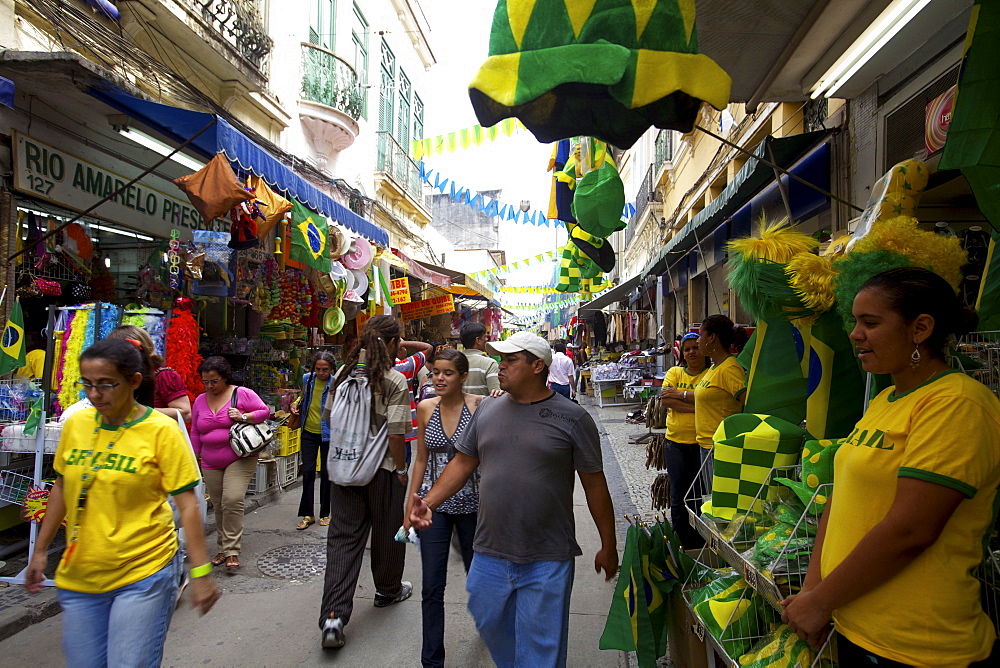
(915, 358)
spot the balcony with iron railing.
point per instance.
(645, 196)
(327, 79)
(238, 25)
(395, 162)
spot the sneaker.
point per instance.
(333, 633)
(404, 593)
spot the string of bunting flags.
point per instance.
(530, 289)
(551, 306)
(492, 207)
(464, 138)
(513, 266)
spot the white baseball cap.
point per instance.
(526, 341)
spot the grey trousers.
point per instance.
(228, 489)
(355, 511)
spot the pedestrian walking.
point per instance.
(441, 421)
(527, 444)
(562, 371)
(375, 508)
(314, 439)
(227, 475)
(116, 464)
(169, 394)
(483, 369)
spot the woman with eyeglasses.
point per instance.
(116, 464)
(227, 475)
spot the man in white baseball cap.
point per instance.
(526, 444)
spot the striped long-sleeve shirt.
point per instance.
(483, 373)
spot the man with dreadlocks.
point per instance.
(378, 506)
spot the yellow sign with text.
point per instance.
(399, 290)
(425, 308)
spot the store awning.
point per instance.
(750, 180)
(180, 124)
(617, 293)
(472, 288)
(418, 270)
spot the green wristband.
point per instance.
(201, 571)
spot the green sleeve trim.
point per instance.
(739, 392)
(185, 488)
(965, 488)
(893, 396)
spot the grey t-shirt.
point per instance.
(528, 454)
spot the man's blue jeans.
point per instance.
(123, 627)
(521, 610)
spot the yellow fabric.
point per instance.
(127, 529)
(34, 365)
(498, 75)
(716, 398)
(314, 420)
(946, 431)
(660, 73)
(680, 426)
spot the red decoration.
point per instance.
(182, 349)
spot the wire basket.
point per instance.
(978, 355)
(14, 486)
(13, 438)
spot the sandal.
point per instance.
(305, 522)
(232, 562)
(218, 559)
(324, 521)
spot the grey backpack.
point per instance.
(356, 448)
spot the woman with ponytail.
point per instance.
(915, 500)
(377, 507)
(722, 390)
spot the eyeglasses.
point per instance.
(100, 388)
(211, 383)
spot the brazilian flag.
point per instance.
(12, 349)
(309, 236)
(628, 626)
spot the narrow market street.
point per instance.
(267, 615)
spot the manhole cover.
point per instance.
(294, 561)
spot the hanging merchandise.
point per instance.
(604, 69)
(216, 278)
(296, 297)
(273, 205)
(182, 339)
(309, 238)
(599, 199)
(244, 217)
(213, 189)
(895, 194)
(359, 257)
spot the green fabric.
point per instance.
(12, 348)
(733, 618)
(775, 383)
(309, 238)
(988, 304)
(603, 68)
(835, 380)
(817, 470)
(628, 625)
(598, 201)
(780, 648)
(973, 143)
(34, 417)
(746, 448)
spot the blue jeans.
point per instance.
(123, 627)
(561, 389)
(517, 608)
(435, 542)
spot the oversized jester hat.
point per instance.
(603, 68)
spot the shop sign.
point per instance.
(399, 291)
(425, 308)
(76, 176)
(939, 113)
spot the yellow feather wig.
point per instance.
(811, 276)
(942, 255)
(775, 242)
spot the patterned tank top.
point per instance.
(440, 450)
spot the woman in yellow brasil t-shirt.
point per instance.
(722, 390)
(116, 464)
(915, 486)
(680, 452)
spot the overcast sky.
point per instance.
(460, 32)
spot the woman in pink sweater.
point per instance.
(226, 474)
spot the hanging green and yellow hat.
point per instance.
(604, 68)
(817, 470)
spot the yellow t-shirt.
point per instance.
(946, 431)
(680, 426)
(127, 529)
(314, 419)
(34, 364)
(716, 397)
